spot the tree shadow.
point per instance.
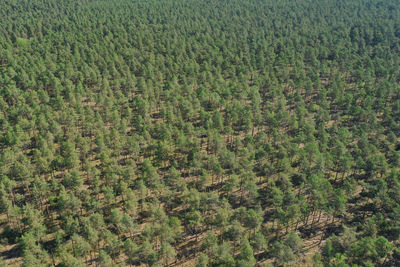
(14, 252)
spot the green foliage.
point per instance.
(22, 42)
(237, 132)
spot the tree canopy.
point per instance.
(204, 133)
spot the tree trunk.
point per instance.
(319, 216)
(73, 247)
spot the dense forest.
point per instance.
(199, 133)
